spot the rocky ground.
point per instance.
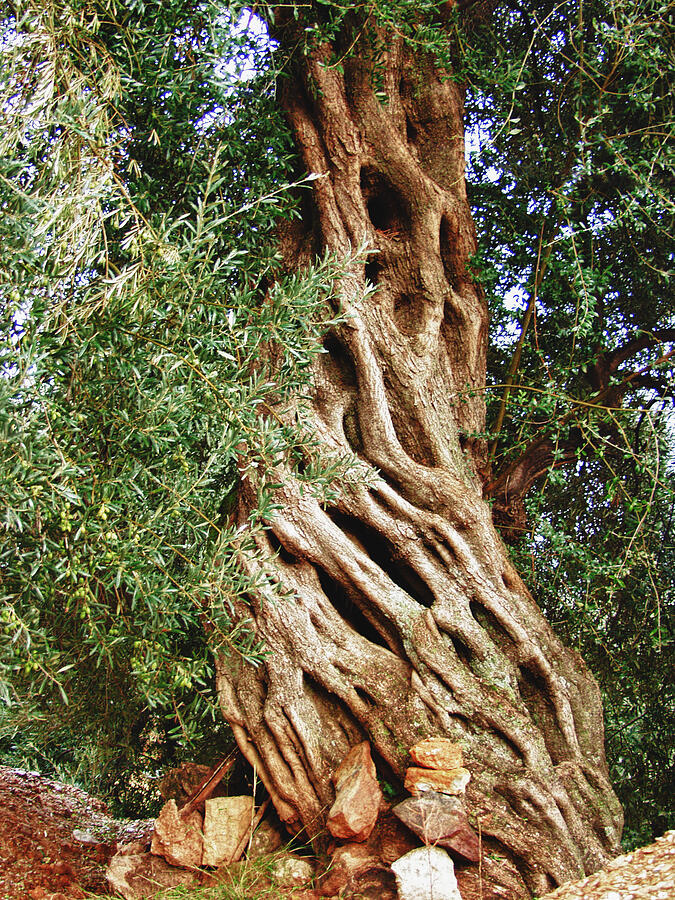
(56, 842)
(645, 874)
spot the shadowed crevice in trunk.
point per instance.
(347, 609)
(386, 208)
(382, 553)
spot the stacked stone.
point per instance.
(436, 812)
(442, 769)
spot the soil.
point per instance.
(55, 840)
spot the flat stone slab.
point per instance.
(227, 820)
(437, 753)
(445, 781)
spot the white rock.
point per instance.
(85, 837)
(226, 821)
(426, 872)
(291, 871)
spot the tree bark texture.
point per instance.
(407, 618)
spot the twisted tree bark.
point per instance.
(408, 619)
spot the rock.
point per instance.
(445, 781)
(394, 839)
(266, 839)
(291, 871)
(373, 884)
(182, 781)
(85, 837)
(347, 862)
(136, 874)
(178, 839)
(424, 873)
(437, 753)
(438, 819)
(226, 822)
(61, 867)
(358, 796)
(356, 872)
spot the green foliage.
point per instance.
(146, 334)
(571, 184)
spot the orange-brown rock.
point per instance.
(437, 753)
(178, 839)
(445, 781)
(358, 796)
(348, 861)
(355, 873)
(135, 874)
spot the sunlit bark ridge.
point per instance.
(408, 618)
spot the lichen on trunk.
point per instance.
(407, 619)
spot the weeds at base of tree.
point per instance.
(247, 880)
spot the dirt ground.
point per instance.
(645, 874)
(55, 840)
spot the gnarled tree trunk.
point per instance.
(408, 619)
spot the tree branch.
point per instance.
(643, 342)
(543, 259)
(510, 487)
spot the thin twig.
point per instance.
(480, 858)
(208, 785)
